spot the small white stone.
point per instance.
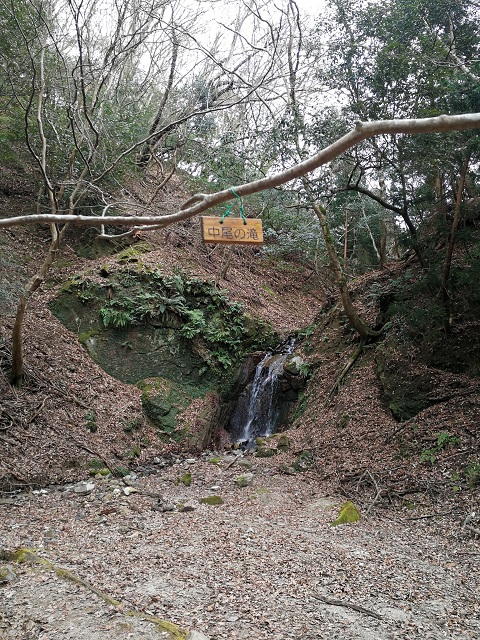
(197, 635)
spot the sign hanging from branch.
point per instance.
(234, 230)
(231, 231)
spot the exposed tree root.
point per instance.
(338, 382)
(24, 555)
(348, 605)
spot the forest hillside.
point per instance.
(239, 319)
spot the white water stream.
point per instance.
(262, 412)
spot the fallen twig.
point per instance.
(433, 515)
(348, 605)
(230, 464)
(30, 420)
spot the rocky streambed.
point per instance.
(122, 555)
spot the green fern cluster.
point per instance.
(197, 309)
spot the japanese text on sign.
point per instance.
(232, 230)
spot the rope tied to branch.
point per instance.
(232, 204)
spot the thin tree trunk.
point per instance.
(360, 326)
(146, 150)
(383, 246)
(345, 242)
(451, 245)
(32, 285)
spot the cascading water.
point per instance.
(257, 412)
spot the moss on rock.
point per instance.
(212, 501)
(348, 513)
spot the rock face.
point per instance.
(178, 338)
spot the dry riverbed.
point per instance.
(264, 564)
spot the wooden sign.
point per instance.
(232, 230)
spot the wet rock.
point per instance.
(245, 480)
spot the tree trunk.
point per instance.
(451, 245)
(360, 326)
(32, 285)
(383, 246)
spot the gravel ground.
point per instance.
(264, 564)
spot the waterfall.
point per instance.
(257, 411)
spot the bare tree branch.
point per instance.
(202, 202)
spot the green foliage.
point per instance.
(91, 421)
(131, 425)
(421, 321)
(444, 440)
(305, 369)
(472, 474)
(95, 464)
(200, 312)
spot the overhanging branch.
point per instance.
(202, 202)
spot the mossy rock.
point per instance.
(259, 334)
(100, 472)
(130, 254)
(348, 513)
(283, 443)
(186, 479)
(304, 461)
(244, 480)
(7, 573)
(162, 401)
(176, 327)
(212, 501)
(265, 452)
